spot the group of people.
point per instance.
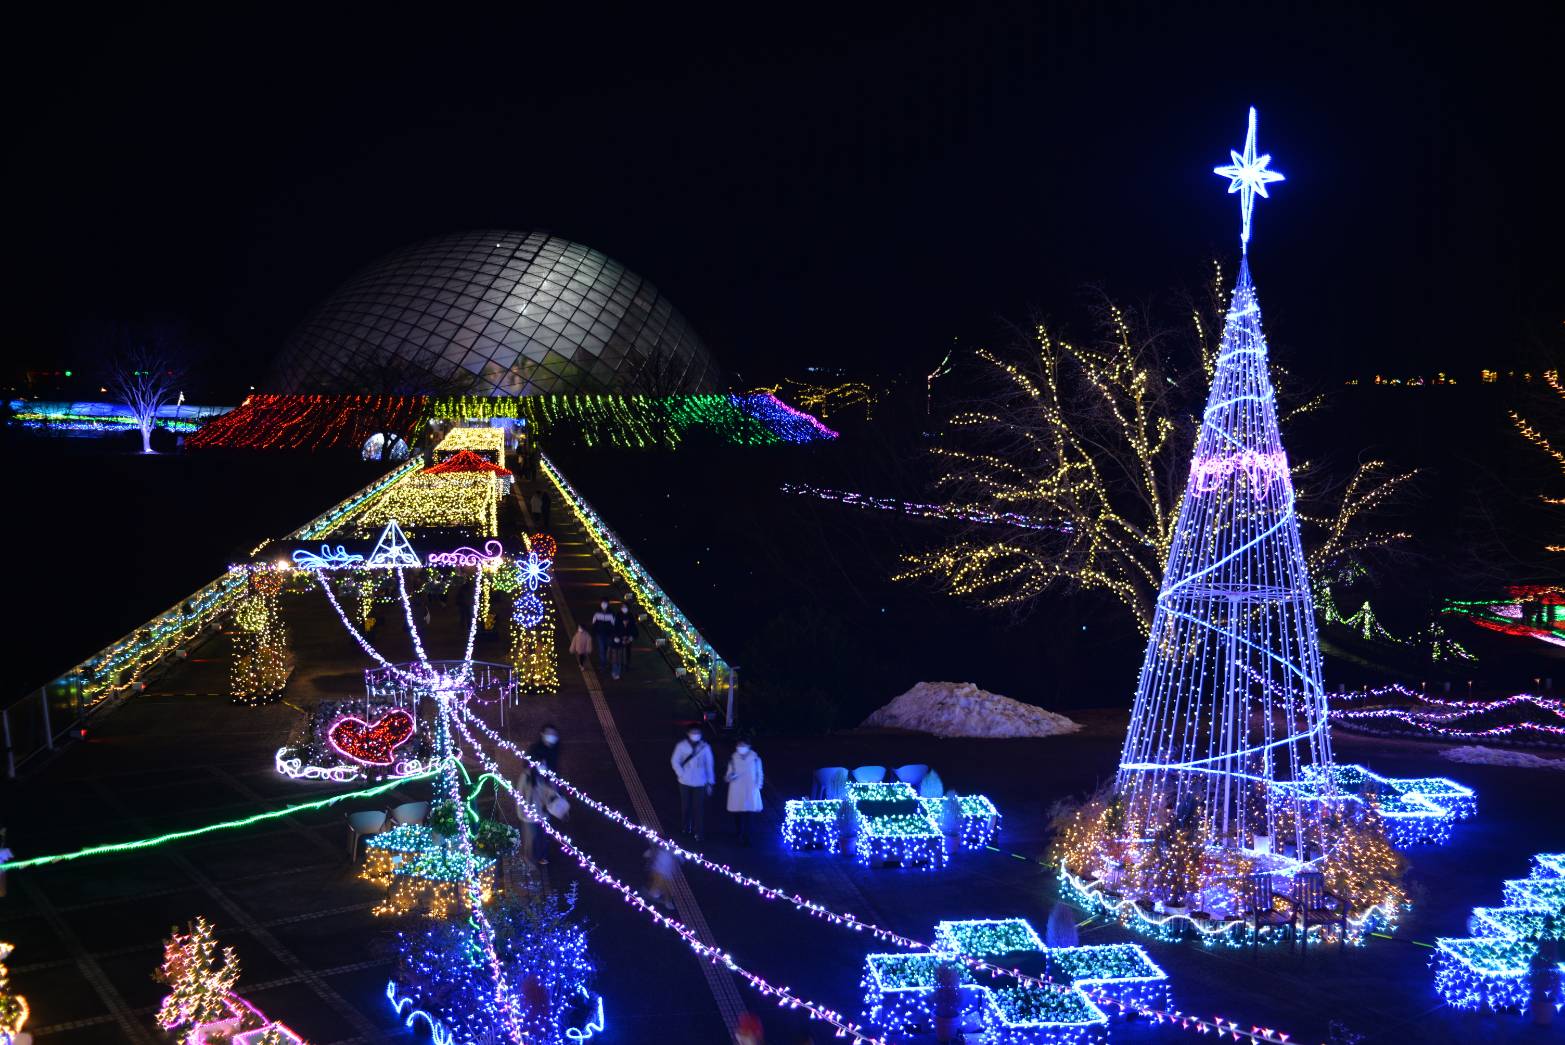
(694, 764)
(694, 768)
(613, 634)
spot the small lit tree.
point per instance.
(13, 1007)
(144, 376)
(1361, 865)
(273, 1035)
(200, 979)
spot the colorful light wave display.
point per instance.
(317, 423)
(1532, 611)
(1395, 710)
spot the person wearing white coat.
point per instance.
(745, 777)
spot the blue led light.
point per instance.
(535, 570)
(329, 558)
(528, 610)
(890, 824)
(1492, 970)
(899, 988)
(1248, 175)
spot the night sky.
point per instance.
(809, 186)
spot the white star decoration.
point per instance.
(1247, 176)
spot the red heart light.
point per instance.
(372, 745)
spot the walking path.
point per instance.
(578, 584)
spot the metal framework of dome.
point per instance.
(495, 313)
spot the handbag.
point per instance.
(558, 807)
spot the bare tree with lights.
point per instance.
(1092, 441)
(145, 376)
(1553, 408)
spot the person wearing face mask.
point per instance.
(581, 645)
(545, 751)
(744, 778)
(603, 632)
(692, 762)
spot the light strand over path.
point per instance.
(784, 995)
(819, 910)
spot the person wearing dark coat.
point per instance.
(603, 632)
(625, 630)
(545, 751)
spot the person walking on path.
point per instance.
(744, 778)
(625, 628)
(535, 505)
(624, 633)
(692, 762)
(542, 512)
(603, 632)
(617, 655)
(545, 751)
(581, 645)
(661, 864)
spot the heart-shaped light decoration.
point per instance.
(372, 745)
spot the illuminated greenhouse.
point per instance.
(495, 314)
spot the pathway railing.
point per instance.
(37, 721)
(695, 659)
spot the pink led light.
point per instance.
(801, 415)
(1262, 470)
(493, 552)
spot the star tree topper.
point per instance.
(1247, 176)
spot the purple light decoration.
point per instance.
(493, 552)
(1230, 692)
(1263, 471)
(854, 499)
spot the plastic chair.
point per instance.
(912, 775)
(364, 822)
(410, 813)
(824, 778)
(837, 787)
(869, 775)
(931, 786)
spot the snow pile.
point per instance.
(1488, 756)
(961, 709)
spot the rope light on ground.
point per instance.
(175, 836)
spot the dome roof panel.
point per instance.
(477, 313)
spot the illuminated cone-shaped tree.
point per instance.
(199, 977)
(1230, 701)
(13, 1007)
(261, 662)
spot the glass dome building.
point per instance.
(495, 313)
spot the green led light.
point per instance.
(175, 836)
